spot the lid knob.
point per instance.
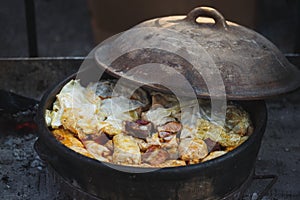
(220, 21)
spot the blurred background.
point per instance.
(74, 27)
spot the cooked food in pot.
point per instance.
(145, 130)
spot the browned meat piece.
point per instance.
(207, 129)
(68, 139)
(172, 127)
(192, 162)
(79, 123)
(166, 100)
(155, 156)
(212, 145)
(213, 155)
(164, 134)
(153, 140)
(143, 145)
(99, 151)
(126, 150)
(238, 121)
(171, 147)
(158, 115)
(99, 138)
(110, 129)
(243, 139)
(172, 163)
(192, 149)
(137, 130)
(109, 144)
(159, 99)
(142, 122)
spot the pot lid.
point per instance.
(212, 54)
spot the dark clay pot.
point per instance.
(213, 179)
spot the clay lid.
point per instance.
(207, 50)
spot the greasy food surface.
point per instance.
(145, 130)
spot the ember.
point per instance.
(26, 126)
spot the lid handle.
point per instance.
(220, 21)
